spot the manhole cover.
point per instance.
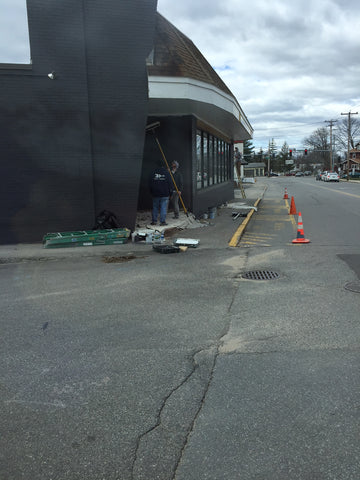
(261, 275)
(353, 287)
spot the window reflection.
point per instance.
(206, 159)
(213, 159)
(198, 158)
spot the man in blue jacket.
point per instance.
(161, 187)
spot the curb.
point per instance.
(234, 242)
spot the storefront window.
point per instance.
(212, 159)
(222, 161)
(216, 160)
(227, 160)
(199, 154)
(206, 158)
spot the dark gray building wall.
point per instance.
(72, 146)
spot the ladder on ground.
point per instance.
(241, 186)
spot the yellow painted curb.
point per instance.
(239, 232)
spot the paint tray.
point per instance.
(166, 248)
(187, 242)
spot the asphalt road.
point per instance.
(283, 402)
(176, 367)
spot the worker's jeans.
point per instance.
(175, 203)
(160, 204)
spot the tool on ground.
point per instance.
(300, 238)
(292, 207)
(151, 128)
(166, 248)
(187, 242)
(236, 215)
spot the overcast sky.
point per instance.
(292, 65)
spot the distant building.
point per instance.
(354, 160)
(255, 169)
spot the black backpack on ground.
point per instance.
(105, 220)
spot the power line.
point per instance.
(288, 127)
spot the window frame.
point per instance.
(213, 159)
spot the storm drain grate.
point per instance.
(353, 287)
(261, 275)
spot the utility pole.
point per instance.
(331, 122)
(348, 143)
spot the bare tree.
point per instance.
(341, 135)
(319, 141)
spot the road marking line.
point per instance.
(337, 191)
(292, 219)
(257, 236)
(272, 218)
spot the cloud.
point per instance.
(285, 62)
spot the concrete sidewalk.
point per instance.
(213, 233)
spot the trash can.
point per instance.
(212, 212)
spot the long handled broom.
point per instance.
(151, 128)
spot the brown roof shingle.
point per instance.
(175, 55)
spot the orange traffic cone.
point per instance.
(300, 238)
(286, 194)
(292, 207)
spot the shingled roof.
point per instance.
(175, 55)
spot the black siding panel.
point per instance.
(72, 146)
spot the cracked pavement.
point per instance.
(111, 388)
(174, 367)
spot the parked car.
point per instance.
(307, 173)
(331, 177)
(299, 174)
